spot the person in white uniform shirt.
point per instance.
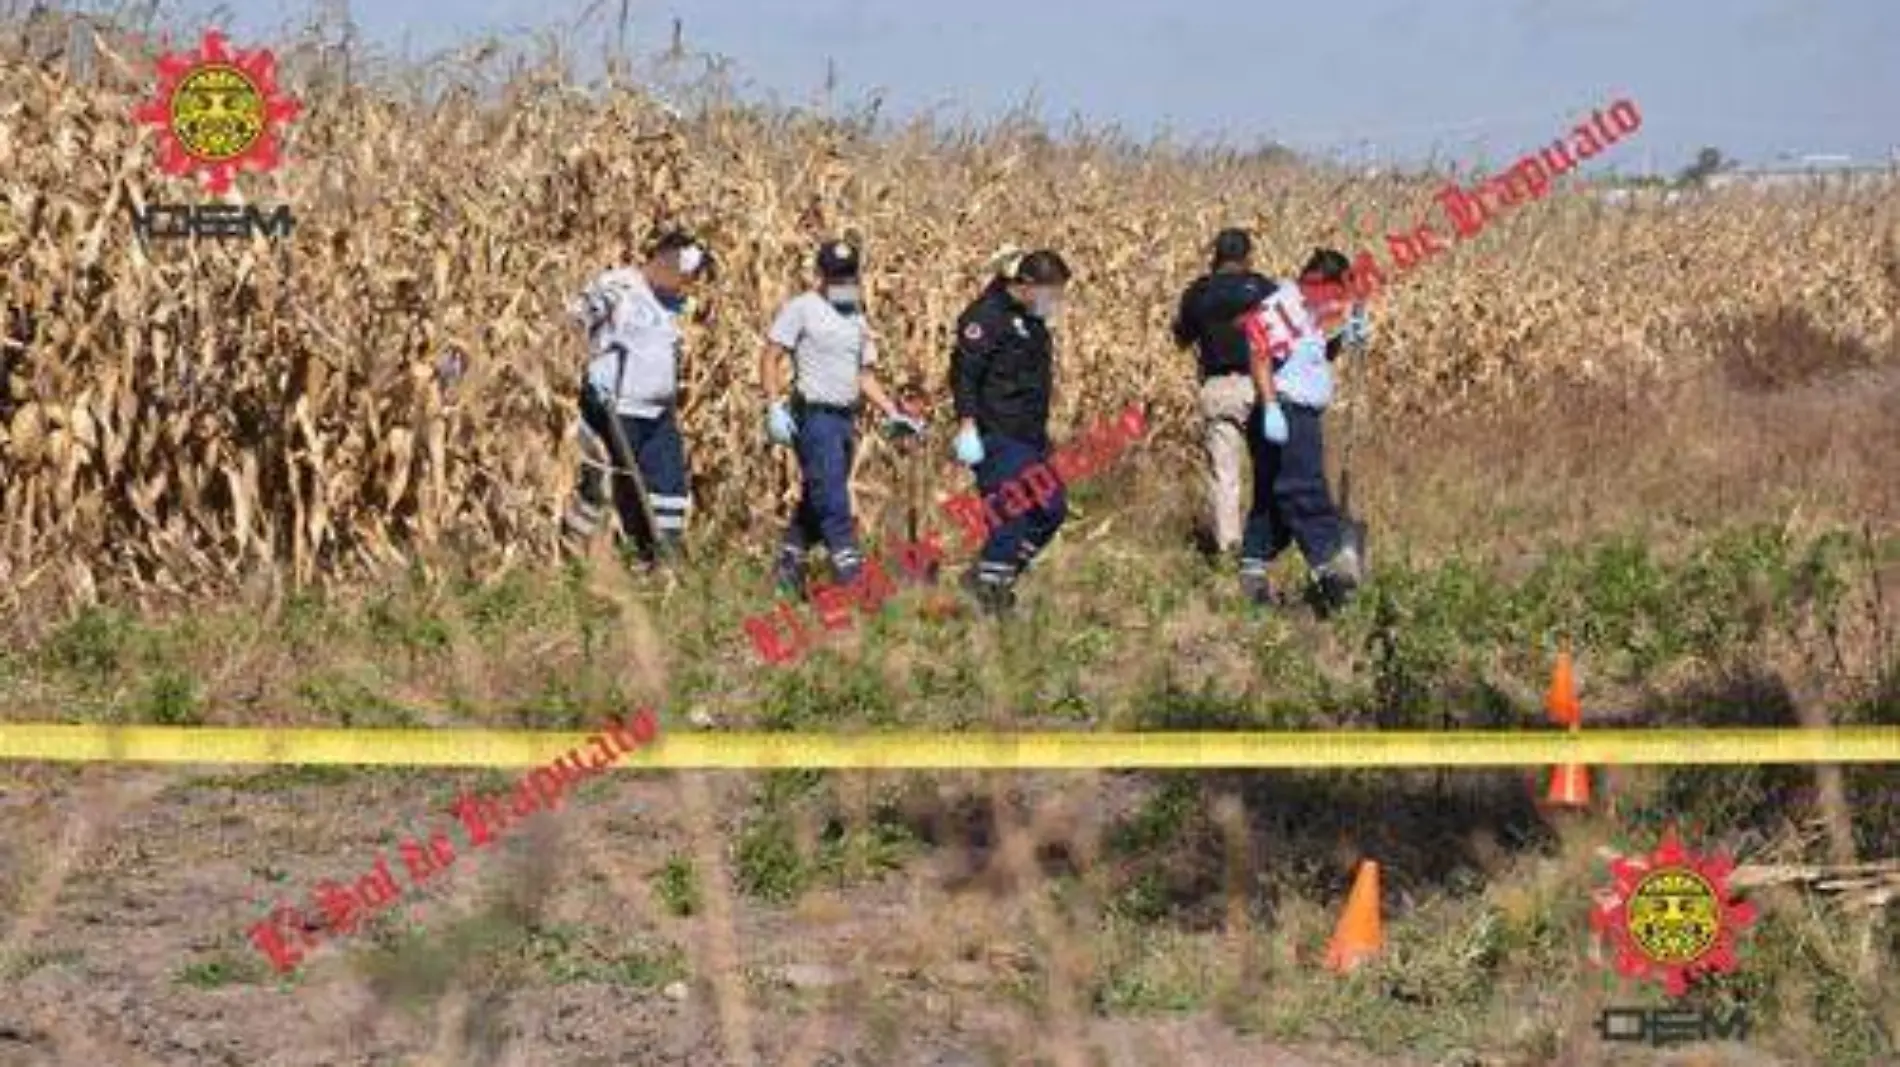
(823, 335)
(631, 317)
(1295, 335)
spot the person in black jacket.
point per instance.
(1208, 320)
(1002, 375)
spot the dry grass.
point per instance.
(235, 422)
(184, 420)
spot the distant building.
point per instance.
(1829, 171)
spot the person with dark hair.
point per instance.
(629, 393)
(828, 340)
(1294, 336)
(1002, 375)
(1209, 319)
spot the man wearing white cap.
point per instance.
(628, 399)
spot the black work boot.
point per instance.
(993, 591)
(789, 574)
(1337, 579)
(1254, 587)
(847, 567)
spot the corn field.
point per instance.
(180, 417)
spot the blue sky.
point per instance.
(1477, 80)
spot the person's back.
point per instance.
(633, 343)
(829, 349)
(1302, 373)
(1209, 316)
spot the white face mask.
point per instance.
(1046, 304)
(845, 298)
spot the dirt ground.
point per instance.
(133, 889)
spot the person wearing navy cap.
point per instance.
(832, 352)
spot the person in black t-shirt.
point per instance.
(1209, 322)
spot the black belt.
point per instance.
(799, 403)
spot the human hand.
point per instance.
(1273, 424)
(969, 446)
(780, 426)
(1357, 332)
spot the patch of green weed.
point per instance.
(220, 971)
(93, 643)
(170, 699)
(678, 886)
(349, 702)
(770, 867)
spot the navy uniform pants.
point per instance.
(1014, 545)
(827, 438)
(1291, 504)
(659, 454)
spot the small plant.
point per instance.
(93, 643)
(217, 972)
(678, 886)
(770, 867)
(171, 699)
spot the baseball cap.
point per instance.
(838, 259)
(1041, 267)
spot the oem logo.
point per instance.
(1671, 921)
(216, 112)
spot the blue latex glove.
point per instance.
(1273, 424)
(780, 426)
(969, 445)
(1358, 329)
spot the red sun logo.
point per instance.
(215, 111)
(1670, 916)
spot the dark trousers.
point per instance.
(1291, 504)
(1016, 542)
(659, 454)
(827, 437)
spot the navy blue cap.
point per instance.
(838, 259)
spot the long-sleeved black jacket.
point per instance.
(1003, 370)
(1206, 318)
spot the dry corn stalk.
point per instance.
(172, 418)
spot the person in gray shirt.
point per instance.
(832, 354)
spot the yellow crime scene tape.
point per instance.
(965, 751)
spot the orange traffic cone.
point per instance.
(1561, 701)
(1569, 782)
(1360, 933)
(1569, 786)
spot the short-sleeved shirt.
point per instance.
(829, 349)
(1209, 314)
(633, 344)
(1303, 374)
